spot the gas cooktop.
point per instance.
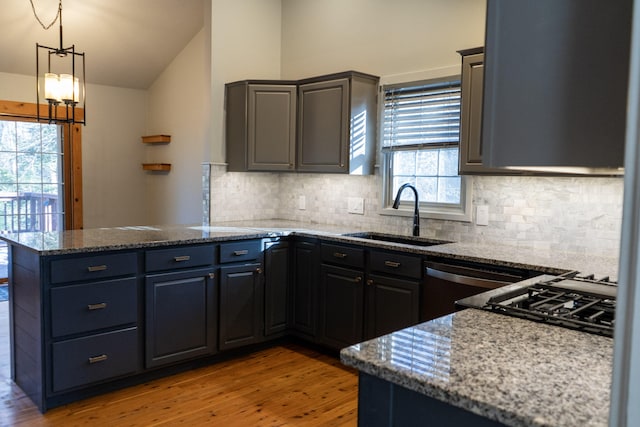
(572, 301)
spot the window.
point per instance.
(420, 138)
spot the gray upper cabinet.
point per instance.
(470, 158)
(555, 87)
(260, 126)
(337, 123)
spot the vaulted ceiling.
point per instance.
(127, 43)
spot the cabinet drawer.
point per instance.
(86, 360)
(81, 308)
(183, 257)
(246, 250)
(342, 255)
(93, 267)
(396, 264)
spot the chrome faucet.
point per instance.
(416, 213)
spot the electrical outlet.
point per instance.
(302, 203)
(482, 215)
(355, 205)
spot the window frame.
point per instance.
(428, 210)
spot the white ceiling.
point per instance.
(127, 43)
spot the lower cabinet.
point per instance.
(180, 316)
(392, 304)
(241, 305)
(304, 293)
(341, 306)
(276, 287)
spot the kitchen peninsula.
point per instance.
(94, 310)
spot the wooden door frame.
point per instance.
(72, 158)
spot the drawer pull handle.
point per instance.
(242, 252)
(339, 255)
(98, 306)
(392, 264)
(181, 258)
(94, 268)
(97, 359)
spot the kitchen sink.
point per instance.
(394, 238)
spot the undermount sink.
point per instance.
(394, 238)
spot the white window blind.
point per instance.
(421, 116)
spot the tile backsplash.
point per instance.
(577, 214)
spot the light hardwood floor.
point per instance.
(287, 385)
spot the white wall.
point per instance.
(245, 44)
(113, 184)
(179, 106)
(113, 180)
(379, 37)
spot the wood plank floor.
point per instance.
(287, 385)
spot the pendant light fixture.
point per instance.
(60, 78)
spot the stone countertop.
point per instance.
(515, 371)
(102, 239)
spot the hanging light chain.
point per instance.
(46, 27)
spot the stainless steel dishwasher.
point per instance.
(446, 282)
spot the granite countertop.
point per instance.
(515, 371)
(102, 239)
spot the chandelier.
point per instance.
(60, 79)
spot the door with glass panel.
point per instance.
(31, 179)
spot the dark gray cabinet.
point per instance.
(341, 306)
(365, 294)
(180, 318)
(392, 292)
(277, 271)
(241, 305)
(555, 92)
(260, 126)
(306, 270)
(337, 123)
(470, 157)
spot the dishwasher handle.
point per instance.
(470, 280)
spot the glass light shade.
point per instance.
(66, 87)
(76, 89)
(51, 87)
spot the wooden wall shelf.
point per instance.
(156, 139)
(157, 167)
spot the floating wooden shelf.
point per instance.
(162, 167)
(156, 139)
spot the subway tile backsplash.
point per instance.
(577, 214)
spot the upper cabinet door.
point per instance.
(260, 126)
(323, 132)
(556, 82)
(272, 127)
(337, 123)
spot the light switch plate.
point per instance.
(482, 215)
(355, 205)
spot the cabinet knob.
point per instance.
(259, 270)
(212, 275)
(369, 282)
(358, 279)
